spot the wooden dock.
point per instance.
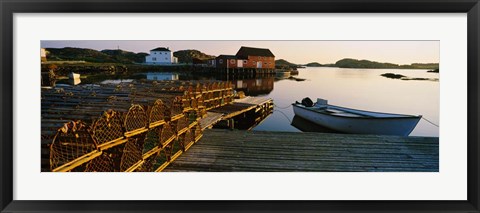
(238, 107)
(255, 151)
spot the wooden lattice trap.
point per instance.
(126, 127)
(72, 146)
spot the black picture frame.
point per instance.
(9, 7)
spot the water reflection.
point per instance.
(307, 126)
(117, 81)
(162, 76)
(250, 83)
(254, 87)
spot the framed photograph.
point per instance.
(239, 106)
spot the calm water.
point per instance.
(360, 89)
(353, 88)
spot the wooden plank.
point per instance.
(240, 106)
(248, 151)
(252, 100)
(210, 119)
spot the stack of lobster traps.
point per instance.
(140, 126)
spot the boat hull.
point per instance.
(73, 75)
(401, 126)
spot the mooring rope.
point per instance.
(430, 122)
(284, 115)
(282, 107)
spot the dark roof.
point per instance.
(227, 56)
(246, 51)
(161, 49)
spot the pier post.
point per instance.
(232, 123)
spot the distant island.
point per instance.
(314, 64)
(366, 64)
(406, 78)
(354, 63)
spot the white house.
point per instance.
(160, 55)
(43, 54)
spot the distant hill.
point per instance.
(354, 63)
(125, 56)
(187, 56)
(76, 54)
(281, 63)
(424, 66)
(95, 56)
(314, 64)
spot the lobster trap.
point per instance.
(108, 129)
(135, 121)
(72, 146)
(137, 126)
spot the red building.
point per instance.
(247, 57)
(256, 58)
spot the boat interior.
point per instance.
(347, 112)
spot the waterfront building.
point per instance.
(161, 56)
(247, 57)
(227, 61)
(256, 58)
(203, 62)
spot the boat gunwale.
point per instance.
(403, 116)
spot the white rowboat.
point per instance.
(356, 121)
(73, 75)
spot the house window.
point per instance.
(232, 61)
(220, 61)
(166, 58)
(154, 59)
(155, 53)
(245, 61)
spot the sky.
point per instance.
(300, 52)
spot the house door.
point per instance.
(259, 64)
